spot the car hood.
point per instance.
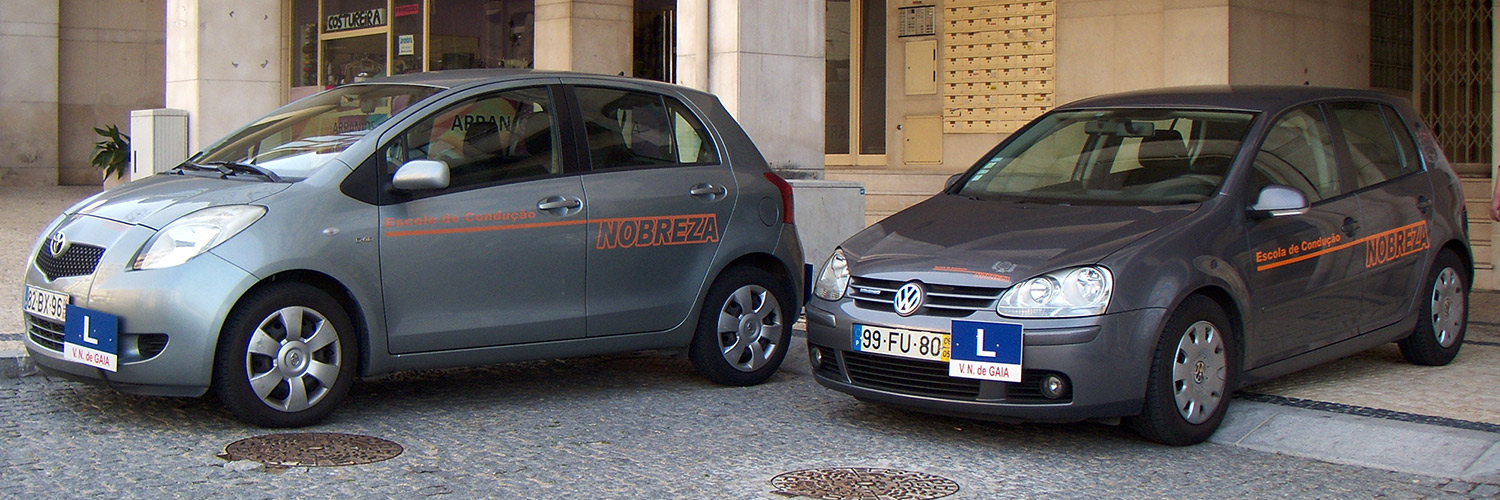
(160, 199)
(961, 241)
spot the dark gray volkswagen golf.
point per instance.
(1142, 255)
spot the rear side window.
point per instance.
(1375, 148)
(1298, 152)
(638, 129)
(492, 138)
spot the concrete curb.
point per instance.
(1431, 450)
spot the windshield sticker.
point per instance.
(977, 274)
(640, 232)
(1380, 248)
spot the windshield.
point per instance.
(1126, 156)
(299, 138)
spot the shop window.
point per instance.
(481, 34)
(856, 76)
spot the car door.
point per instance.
(1304, 276)
(1395, 199)
(497, 257)
(659, 196)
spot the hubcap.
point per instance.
(1199, 369)
(1447, 307)
(750, 325)
(292, 360)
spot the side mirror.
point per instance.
(418, 175)
(1279, 201)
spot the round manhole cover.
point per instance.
(860, 483)
(312, 449)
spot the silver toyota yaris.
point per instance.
(425, 221)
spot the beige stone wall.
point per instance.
(1324, 42)
(111, 56)
(28, 92)
(592, 36)
(224, 63)
(1107, 46)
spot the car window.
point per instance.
(487, 139)
(1298, 152)
(636, 129)
(1115, 156)
(1373, 148)
(1411, 158)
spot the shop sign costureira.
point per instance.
(355, 20)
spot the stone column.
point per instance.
(765, 62)
(28, 92)
(592, 36)
(224, 64)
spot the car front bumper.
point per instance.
(1105, 360)
(183, 306)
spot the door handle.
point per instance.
(553, 203)
(1424, 205)
(708, 190)
(1351, 226)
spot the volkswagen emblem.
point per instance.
(909, 298)
(58, 244)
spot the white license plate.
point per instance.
(916, 344)
(47, 304)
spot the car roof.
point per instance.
(1255, 98)
(455, 78)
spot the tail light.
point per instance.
(786, 196)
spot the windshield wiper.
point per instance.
(228, 168)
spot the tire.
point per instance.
(1192, 374)
(1444, 302)
(743, 332)
(273, 376)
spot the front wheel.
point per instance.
(1444, 300)
(1191, 375)
(743, 331)
(286, 357)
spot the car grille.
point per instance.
(930, 379)
(908, 376)
(45, 333)
(77, 260)
(942, 300)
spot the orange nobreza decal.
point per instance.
(642, 232)
(1380, 248)
(977, 274)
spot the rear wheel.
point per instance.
(1445, 314)
(286, 357)
(1193, 371)
(742, 332)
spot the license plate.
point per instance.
(47, 304)
(915, 344)
(986, 351)
(92, 338)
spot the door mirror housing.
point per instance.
(418, 175)
(1279, 201)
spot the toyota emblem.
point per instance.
(58, 244)
(909, 298)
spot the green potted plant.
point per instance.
(112, 154)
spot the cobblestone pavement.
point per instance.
(632, 426)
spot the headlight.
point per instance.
(1069, 293)
(834, 278)
(195, 233)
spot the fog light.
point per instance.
(816, 355)
(1054, 387)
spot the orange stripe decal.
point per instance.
(1380, 248)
